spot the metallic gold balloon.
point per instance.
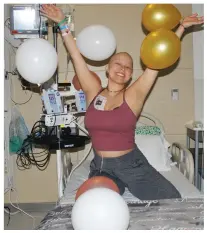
(160, 49)
(156, 16)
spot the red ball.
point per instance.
(95, 182)
(77, 84)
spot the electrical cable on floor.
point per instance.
(19, 209)
(6, 207)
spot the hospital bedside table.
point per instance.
(197, 135)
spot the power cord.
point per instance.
(15, 72)
(26, 157)
(6, 207)
(23, 102)
(8, 211)
(40, 22)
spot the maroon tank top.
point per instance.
(111, 130)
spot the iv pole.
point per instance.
(58, 152)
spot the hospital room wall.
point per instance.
(125, 22)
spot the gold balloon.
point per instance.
(156, 16)
(160, 49)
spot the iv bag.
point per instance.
(18, 131)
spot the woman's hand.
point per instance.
(52, 12)
(192, 20)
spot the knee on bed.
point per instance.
(155, 193)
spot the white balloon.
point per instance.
(96, 42)
(100, 209)
(36, 60)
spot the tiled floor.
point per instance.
(21, 221)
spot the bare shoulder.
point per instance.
(90, 95)
(133, 100)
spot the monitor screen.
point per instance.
(52, 98)
(25, 19)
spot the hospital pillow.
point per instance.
(155, 149)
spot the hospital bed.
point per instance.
(173, 161)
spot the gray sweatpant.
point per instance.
(133, 171)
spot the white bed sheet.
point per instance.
(186, 189)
